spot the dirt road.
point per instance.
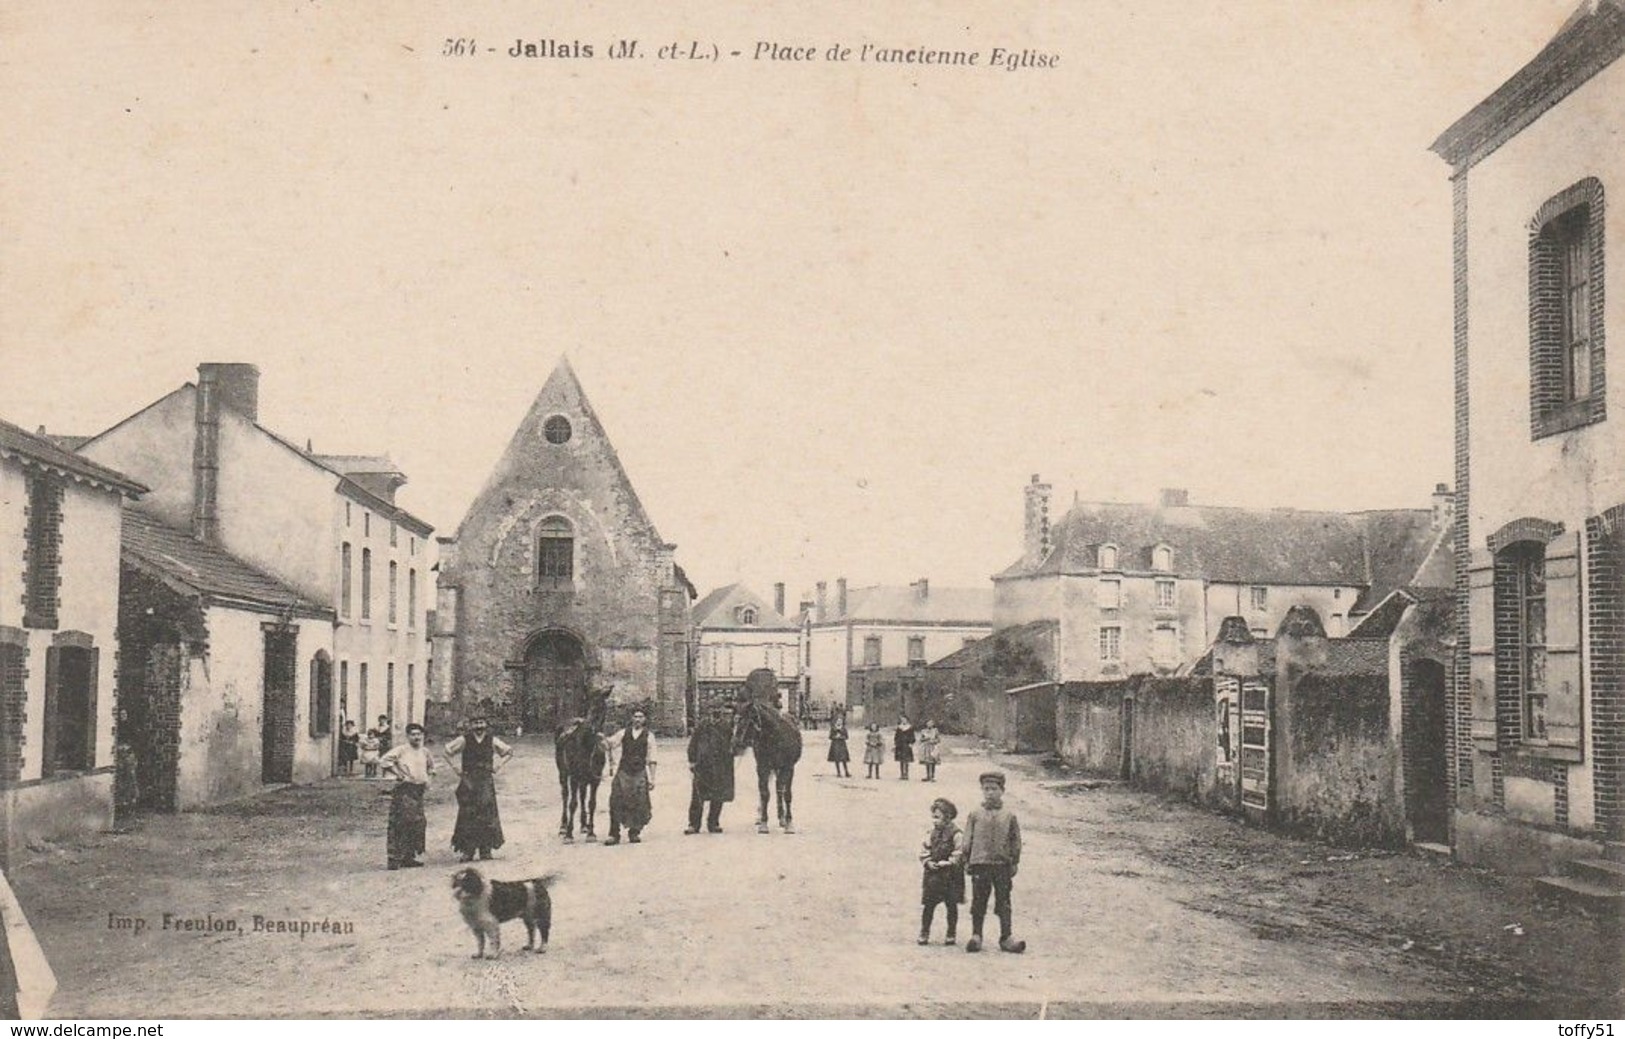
(1130, 905)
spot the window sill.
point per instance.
(1546, 752)
(1572, 415)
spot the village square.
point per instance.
(272, 744)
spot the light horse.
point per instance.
(776, 742)
(580, 752)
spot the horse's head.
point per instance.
(746, 725)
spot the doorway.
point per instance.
(1427, 784)
(555, 683)
(276, 727)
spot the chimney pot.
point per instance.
(778, 598)
(822, 604)
(840, 597)
(236, 386)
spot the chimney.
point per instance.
(1174, 497)
(778, 598)
(237, 386)
(1035, 541)
(805, 609)
(840, 597)
(922, 589)
(1444, 505)
(823, 601)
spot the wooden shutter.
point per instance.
(1481, 669)
(93, 667)
(53, 675)
(1563, 686)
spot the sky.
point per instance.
(833, 315)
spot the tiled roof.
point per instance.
(203, 569)
(349, 464)
(17, 442)
(906, 603)
(1235, 545)
(1345, 656)
(717, 610)
(1038, 635)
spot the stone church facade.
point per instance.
(557, 582)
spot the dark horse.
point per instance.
(581, 755)
(776, 742)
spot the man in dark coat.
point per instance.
(711, 761)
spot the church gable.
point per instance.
(559, 465)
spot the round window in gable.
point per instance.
(556, 429)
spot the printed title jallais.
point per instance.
(776, 52)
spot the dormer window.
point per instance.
(1162, 559)
(1108, 557)
(745, 615)
(555, 551)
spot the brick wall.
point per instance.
(13, 701)
(1457, 732)
(1547, 392)
(42, 558)
(1605, 577)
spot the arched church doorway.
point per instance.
(555, 684)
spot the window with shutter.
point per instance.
(1562, 685)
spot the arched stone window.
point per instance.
(1108, 557)
(555, 551)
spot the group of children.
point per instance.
(904, 738)
(988, 849)
(367, 748)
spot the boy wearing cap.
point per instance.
(992, 854)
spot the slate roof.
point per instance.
(1397, 544)
(17, 442)
(1241, 546)
(194, 567)
(716, 611)
(903, 603)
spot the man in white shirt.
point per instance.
(408, 826)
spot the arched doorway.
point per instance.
(1427, 784)
(555, 680)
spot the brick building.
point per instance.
(60, 516)
(353, 565)
(1538, 728)
(1142, 589)
(557, 582)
